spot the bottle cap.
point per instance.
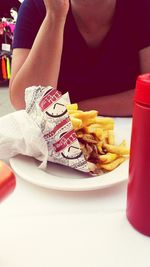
(142, 91)
(7, 180)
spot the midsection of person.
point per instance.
(92, 53)
(98, 54)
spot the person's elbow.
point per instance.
(16, 99)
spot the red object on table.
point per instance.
(7, 180)
(138, 194)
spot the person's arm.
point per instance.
(119, 104)
(113, 105)
(144, 56)
(41, 64)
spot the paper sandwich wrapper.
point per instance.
(20, 135)
(43, 131)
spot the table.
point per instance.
(40, 227)
(43, 228)
(5, 106)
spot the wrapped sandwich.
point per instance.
(75, 138)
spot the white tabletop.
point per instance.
(48, 228)
(40, 227)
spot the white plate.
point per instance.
(63, 178)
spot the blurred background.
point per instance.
(6, 5)
(8, 16)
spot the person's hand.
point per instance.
(57, 8)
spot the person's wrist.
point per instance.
(55, 18)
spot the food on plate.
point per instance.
(97, 139)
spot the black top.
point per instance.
(87, 72)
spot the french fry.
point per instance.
(119, 150)
(111, 137)
(76, 123)
(73, 113)
(114, 164)
(72, 106)
(101, 121)
(107, 127)
(84, 116)
(100, 148)
(94, 129)
(123, 143)
(105, 136)
(107, 158)
(93, 126)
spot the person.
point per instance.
(93, 49)
(14, 14)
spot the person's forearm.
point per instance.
(113, 105)
(43, 62)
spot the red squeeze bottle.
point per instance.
(7, 181)
(138, 192)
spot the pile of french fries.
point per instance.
(97, 140)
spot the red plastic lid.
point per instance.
(142, 91)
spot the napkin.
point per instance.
(19, 134)
(43, 130)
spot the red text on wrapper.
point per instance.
(59, 126)
(66, 140)
(51, 97)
